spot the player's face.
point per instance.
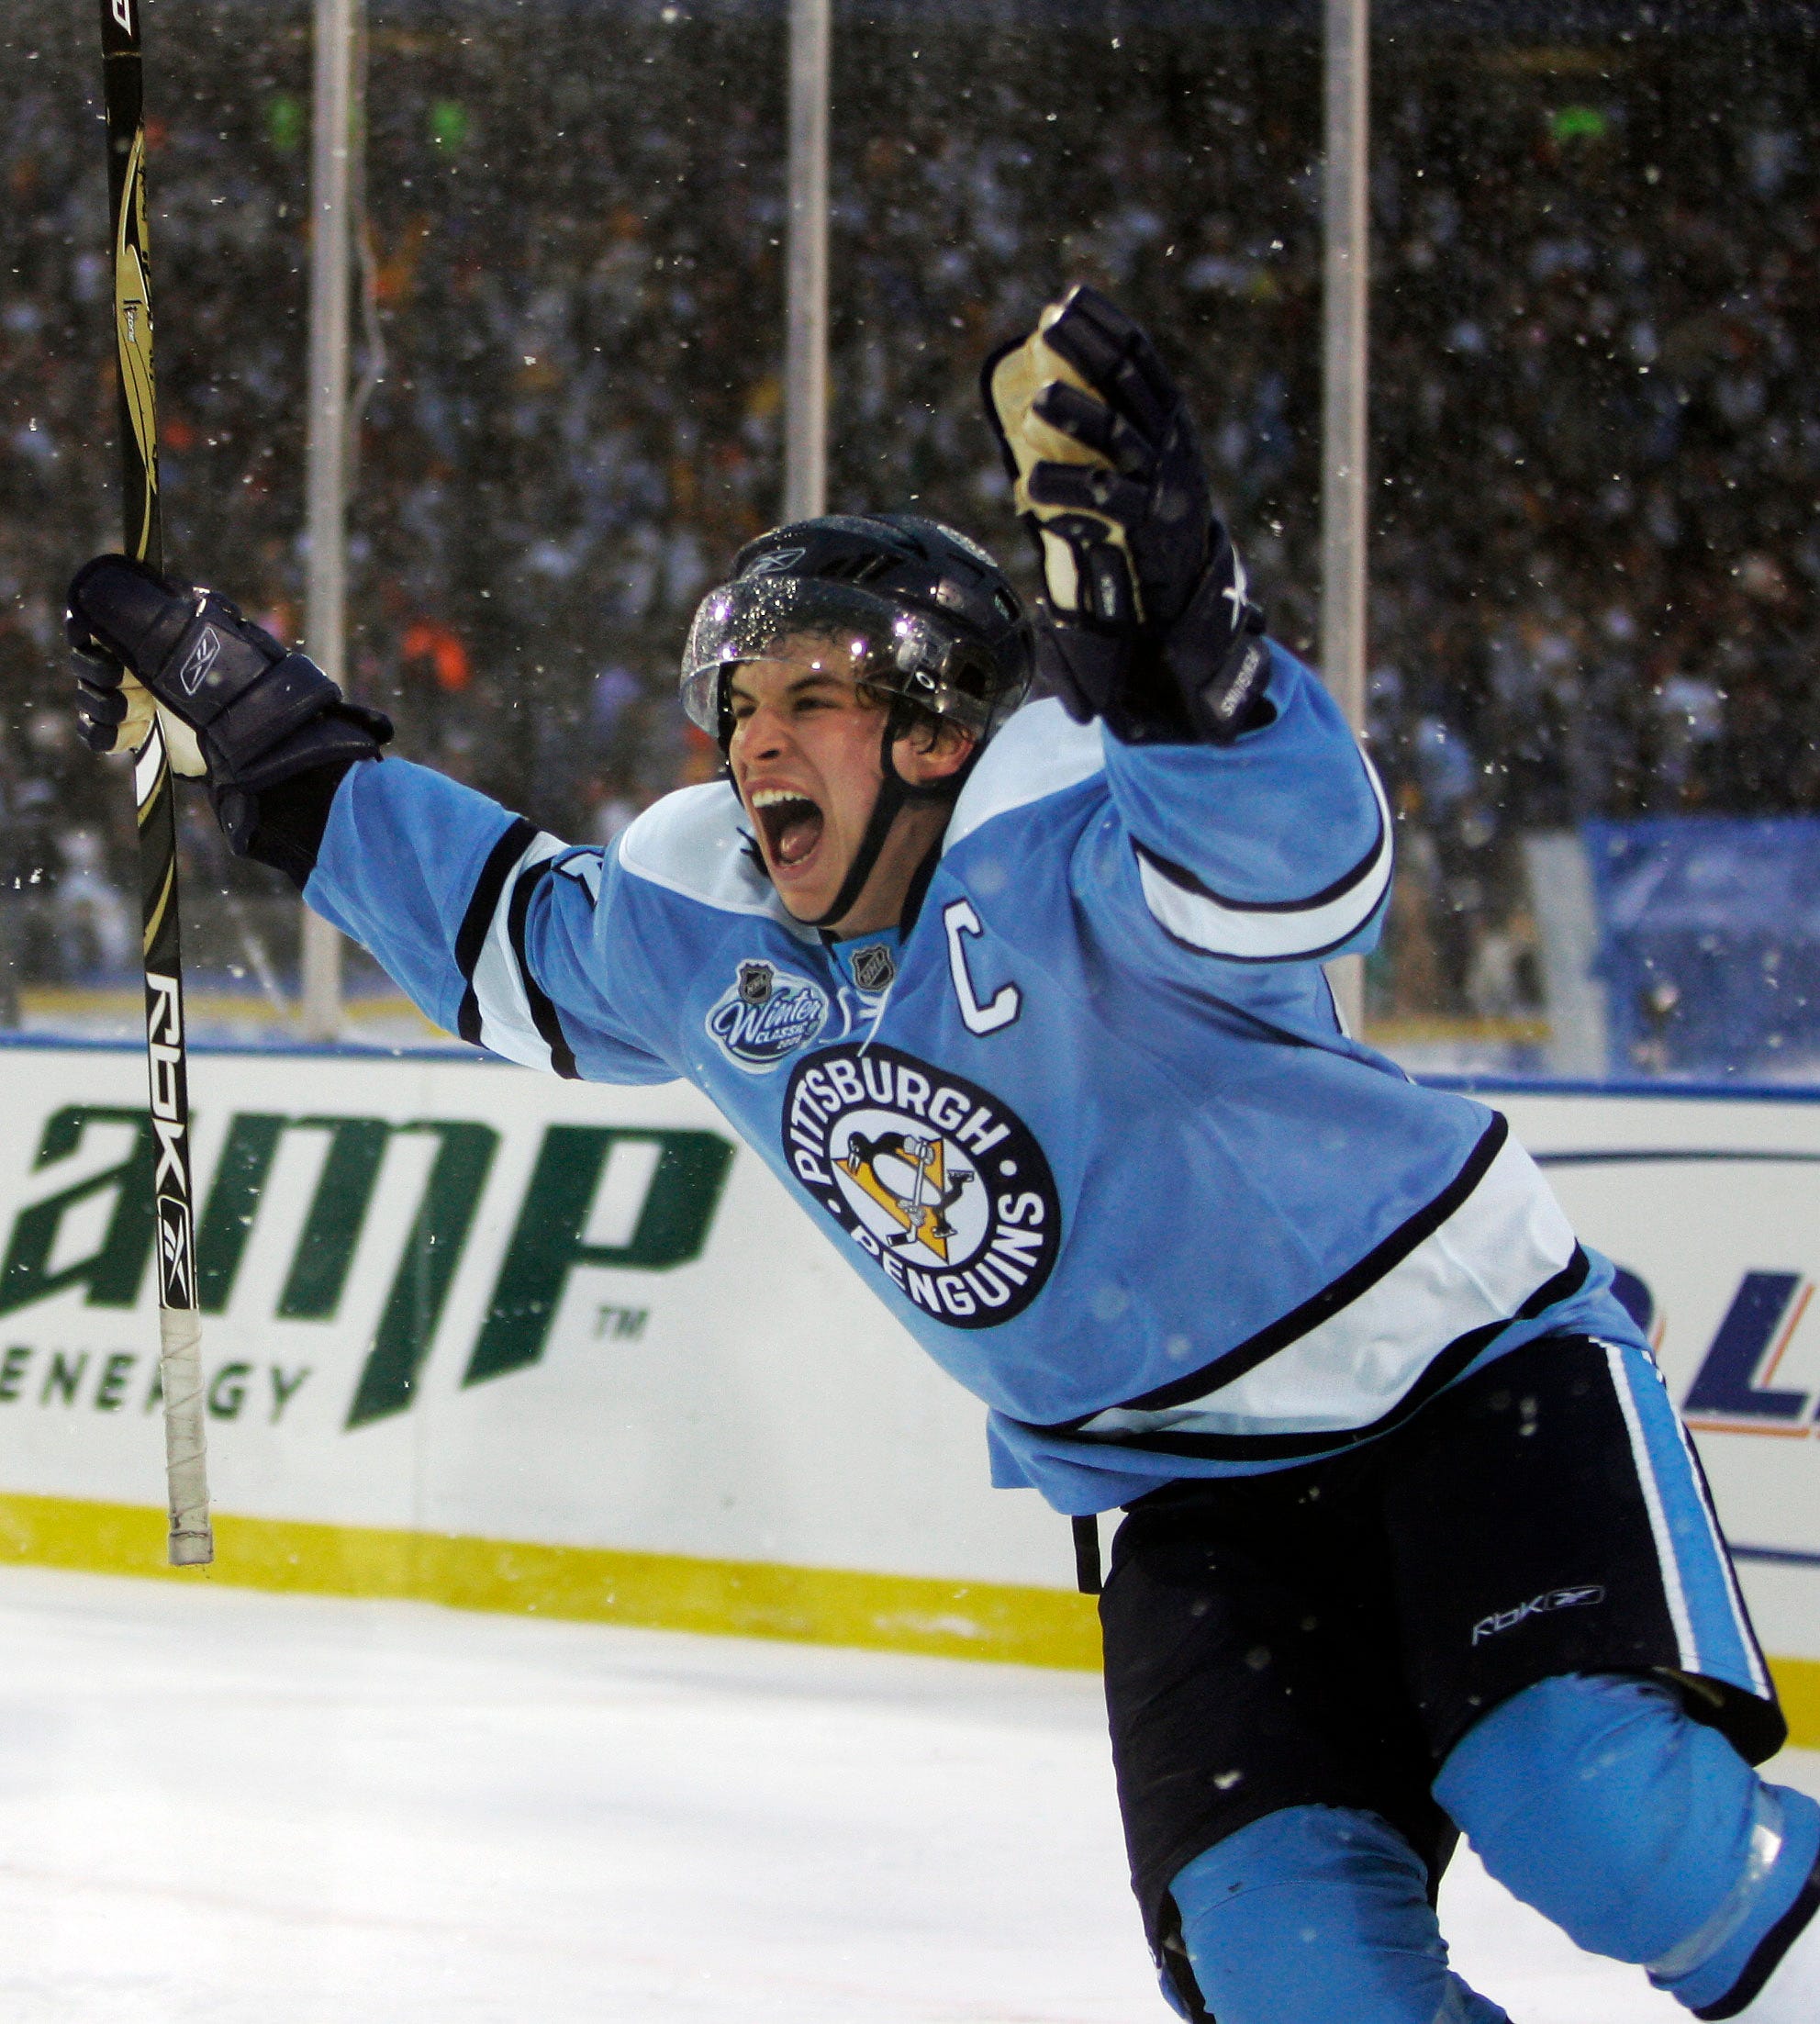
(806, 762)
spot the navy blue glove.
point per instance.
(260, 716)
(1147, 621)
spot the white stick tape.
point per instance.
(186, 1447)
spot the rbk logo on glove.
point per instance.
(194, 670)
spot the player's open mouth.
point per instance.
(791, 823)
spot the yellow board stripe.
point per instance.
(660, 1591)
(1798, 1686)
(1038, 1626)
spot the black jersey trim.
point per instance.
(1179, 875)
(1338, 1293)
(542, 1009)
(918, 891)
(1457, 1356)
(1770, 1949)
(478, 919)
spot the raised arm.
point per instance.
(1257, 829)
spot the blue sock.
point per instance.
(1641, 1833)
(1318, 1913)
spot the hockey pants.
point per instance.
(1641, 1833)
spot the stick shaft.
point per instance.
(167, 1048)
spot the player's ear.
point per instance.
(931, 752)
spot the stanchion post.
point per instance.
(806, 303)
(325, 611)
(1346, 381)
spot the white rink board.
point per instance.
(753, 1403)
(749, 1401)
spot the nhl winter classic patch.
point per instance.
(933, 1178)
(766, 1014)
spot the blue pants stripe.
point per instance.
(1711, 1626)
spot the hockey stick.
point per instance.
(191, 1544)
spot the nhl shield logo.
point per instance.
(756, 980)
(874, 968)
(940, 1185)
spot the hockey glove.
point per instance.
(1146, 622)
(114, 712)
(248, 714)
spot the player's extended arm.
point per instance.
(1257, 828)
(449, 890)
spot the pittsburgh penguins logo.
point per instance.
(940, 1184)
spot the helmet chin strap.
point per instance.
(894, 793)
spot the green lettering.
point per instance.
(64, 1375)
(13, 1370)
(228, 1391)
(109, 1394)
(332, 1234)
(111, 1272)
(325, 1255)
(432, 1251)
(285, 1386)
(225, 1221)
(671, 1226)
(331, 1231)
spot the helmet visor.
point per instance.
(914, 654)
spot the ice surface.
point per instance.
(218, 1807)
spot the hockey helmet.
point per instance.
(923, 615)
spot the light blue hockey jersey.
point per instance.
(1088, 1125)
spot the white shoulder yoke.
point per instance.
(693, 842)
(1040, 751)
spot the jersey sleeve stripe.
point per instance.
(505, 1018)
(482, 907)
(543, 1011)
(1477, 1258)
(1271, 931)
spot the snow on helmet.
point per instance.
(926, 616)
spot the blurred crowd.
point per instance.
(1595, 561)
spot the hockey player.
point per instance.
(1023, 1000)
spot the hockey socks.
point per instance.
(1318, 1913)
(1647, 1838)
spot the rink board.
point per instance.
(485, 1338)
